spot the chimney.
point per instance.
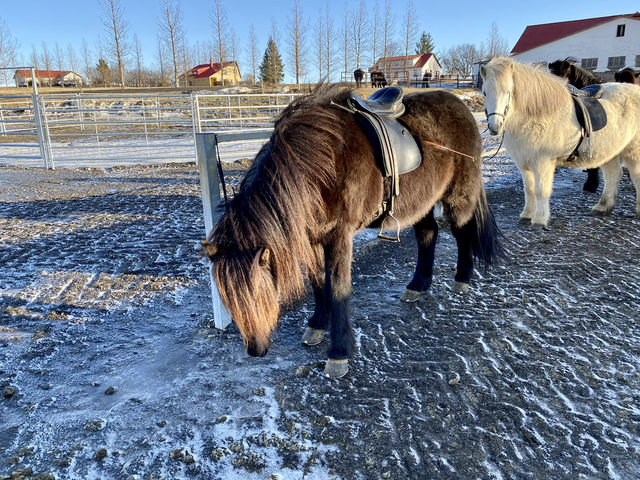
(211, 63)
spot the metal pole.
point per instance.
(38, 118)
(210, 187)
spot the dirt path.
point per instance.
(102, 287)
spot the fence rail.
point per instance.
(97, 128)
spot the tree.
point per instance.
(496, 44)
(328, 44)
(171, 28)
(271, 69)
(409, 32)
(104, 72)
(161, 57)
(46, 61)
(253, 50)
(460, 59)
(360, 31)
(86, 56)
(72, 58)
(137, 50)
(114, 23)
(221, 48)
(376, 34)
(8, 47)
(296, 40)
(318, 43)
(425, 44)
(387, 34)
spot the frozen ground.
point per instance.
(110, 366)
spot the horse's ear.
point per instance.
(210, 249)
(483, 71)
(265, 256)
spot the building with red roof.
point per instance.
(417, 67)
(210, 74)
(58, 78)
(600, 44)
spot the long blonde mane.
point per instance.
(535, 91)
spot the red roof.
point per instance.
(423, 58)
(43, 73)
(537, 35)
(207, 69)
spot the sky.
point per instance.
(450, 23)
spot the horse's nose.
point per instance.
(494, 125)
(256, 350)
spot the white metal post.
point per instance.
(210, 189)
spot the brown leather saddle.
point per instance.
(395, 149)
(590, 114)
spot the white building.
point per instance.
(603, 44)
(417, 66)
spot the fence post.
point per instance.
(210, 188)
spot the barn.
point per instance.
(417, 65)
(603, 45)
(58, 78)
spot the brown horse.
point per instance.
(313, 185)
(626, 75)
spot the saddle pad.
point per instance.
(596, 111)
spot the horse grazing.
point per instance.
(536, 112)
(626, 75)
(579, 78)
(313, 185)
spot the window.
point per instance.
(615, 63)
(620, 31)
(590, 63)
(637, 60)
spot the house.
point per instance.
(58, 78)
(210, 74)
(417, 66)
(603, 44)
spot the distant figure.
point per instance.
(627, 75)
(358, 75)
(426, 78)
(378, 80)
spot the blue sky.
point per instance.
(450, 23)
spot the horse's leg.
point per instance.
(593, 180)
(426, 231)
(543, 188)
(319, 321)
(338, 257)
(528, 182)
(464, 268)
(612, 173)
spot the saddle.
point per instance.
(591, 116)
(394, 148)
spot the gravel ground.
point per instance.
(110, 366)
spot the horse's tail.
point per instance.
(486, 243)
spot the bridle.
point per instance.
(497, 114)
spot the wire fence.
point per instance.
(94, 129)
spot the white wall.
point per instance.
(600, 41)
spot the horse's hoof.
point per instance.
(312, 336)
(336, 368)
(538, 227)
(460, 287)
(601, 213)
(410, 296)
(590, 188)
(524, 221)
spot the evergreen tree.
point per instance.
(271, 68)
(425, 44)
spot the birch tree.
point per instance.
(360, 31)
(160, 57)
(8, 47)
(496, 44)
(172, 31)
(86, 59)
(387, 35)
(58, 55)
(409, 32)
(318, 44)
(137, 51)
(46, 61)
(116, 27)
(253, 52)
(219, 21)
(296, 40)
(329, 41)
(375, 34)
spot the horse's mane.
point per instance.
(280, 204)
(535, 91)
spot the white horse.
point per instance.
(535, 111)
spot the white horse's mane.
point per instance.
(535, 91)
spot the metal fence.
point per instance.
(91, 129)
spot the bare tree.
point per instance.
(137, 51)
(459, 59)
(409, 33)
(8, 47)
(114, 22)
(221, 47)
(496, 44)
(35, 59)
(171, 28)
(296, 41)
(375, 34)
(387, 35)
(318, 43)
(86, 58)
(72, 58)
(253, 51)
(360, 31)
(46, 61)
(59, 56)
(345, 42)
(329, 40)
(161, 55)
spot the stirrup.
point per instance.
(390, 238)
